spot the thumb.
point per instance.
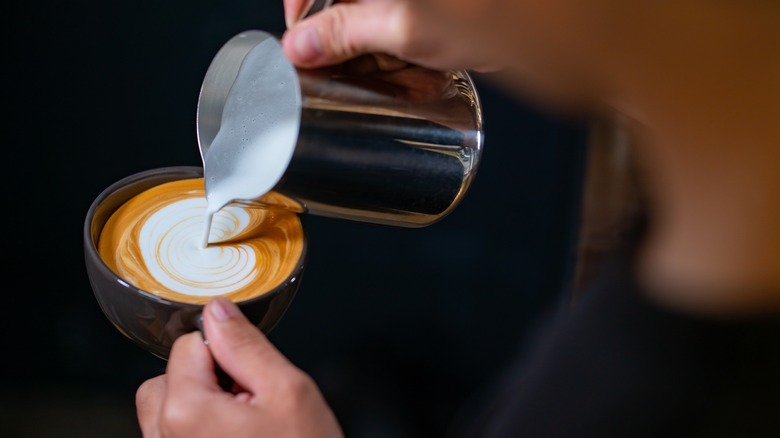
(190, 362)
(345, 31)
(240, 348)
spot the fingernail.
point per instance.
(307, 44)
(222, 309)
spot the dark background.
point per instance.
(404, 330)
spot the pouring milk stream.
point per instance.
(257, 134)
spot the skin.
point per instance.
(271, 397)
(701, 80)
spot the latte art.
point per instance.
(154, 242)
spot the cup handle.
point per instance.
(223, 379)
(316, 6)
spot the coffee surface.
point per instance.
(154, 242)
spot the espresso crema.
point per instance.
(154, 242)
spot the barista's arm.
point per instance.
(401, 28)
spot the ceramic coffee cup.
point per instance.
(150, 321)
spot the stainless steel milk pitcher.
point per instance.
(398, 147)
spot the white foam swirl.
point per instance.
(170, 243)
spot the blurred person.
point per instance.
(678, 331)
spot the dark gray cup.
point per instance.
(148, 320)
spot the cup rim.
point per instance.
(194, 171)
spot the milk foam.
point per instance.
(153, 242)
(170, 245)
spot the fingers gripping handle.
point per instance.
(223, 379)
